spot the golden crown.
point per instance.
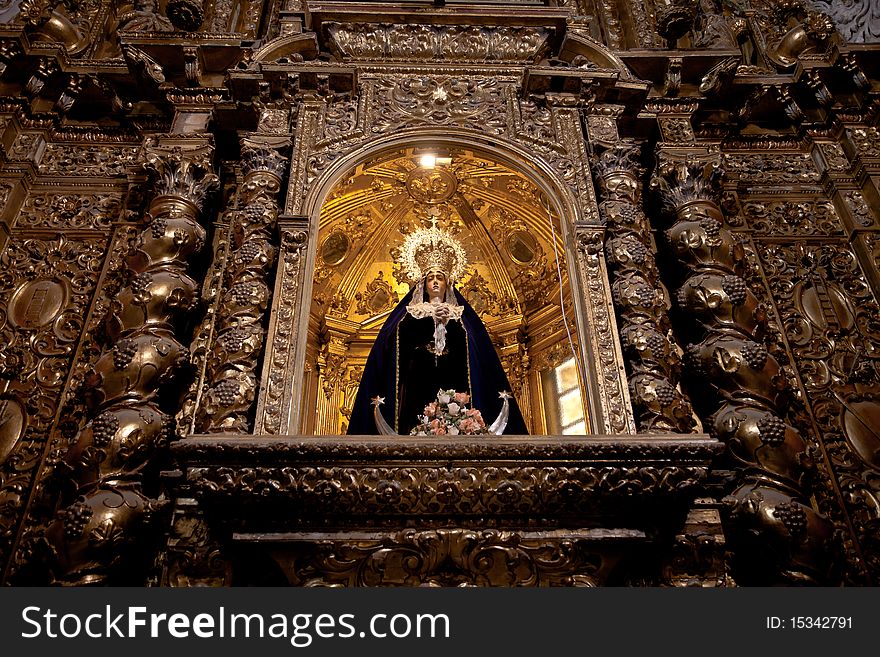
(431, 248)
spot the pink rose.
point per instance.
(431, 409)
(462, 397)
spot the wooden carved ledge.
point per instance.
(365, 479)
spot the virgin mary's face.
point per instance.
(435, 284)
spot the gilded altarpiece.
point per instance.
(61, 263)
(682, 195)
(805, 266)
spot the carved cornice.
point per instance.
(645, 449)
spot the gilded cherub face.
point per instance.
(435, 284)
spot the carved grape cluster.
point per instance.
(75, 518)
(666, 394)
(692, 360)
(140, 285)
(234, 340)
(257, 212)
(754, 354)
(631, 249)
(656, 343)
(123, 353)
(646, 295)
(158, 227)
(771, 430)
(735, 288)
(792, 516)
(247, 252)
(226, 392)
(711, 226)
(104, 427)
(625, 215)
(243, 293)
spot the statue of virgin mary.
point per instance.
(432, 340)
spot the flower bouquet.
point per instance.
(450, 415)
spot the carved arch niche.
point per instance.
(501, 218)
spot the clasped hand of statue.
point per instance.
(441, 314)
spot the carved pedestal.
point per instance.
(405, 511)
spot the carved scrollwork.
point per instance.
(616, 398)
(448, 557)
(443, 100)
(45, 288)
(827, 314)
(341, 119)
(471, 490)
(377, 297)
(438, 42)
(194, 556)
(793, 218)
(767, 170)
(270, 412)
(55, 211)
(85, 160)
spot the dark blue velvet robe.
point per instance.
(487, 377)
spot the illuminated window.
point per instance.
(565, 405)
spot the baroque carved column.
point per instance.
(774, 531)
(653, 356)
(230, 380)
(93, 539)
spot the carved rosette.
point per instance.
(93, 538)
(186, 15)
(232, 361)
(653, 357)
(772, 526)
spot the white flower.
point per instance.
(443, 398)
(454, 409)
(421, 433)
(453, 431)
